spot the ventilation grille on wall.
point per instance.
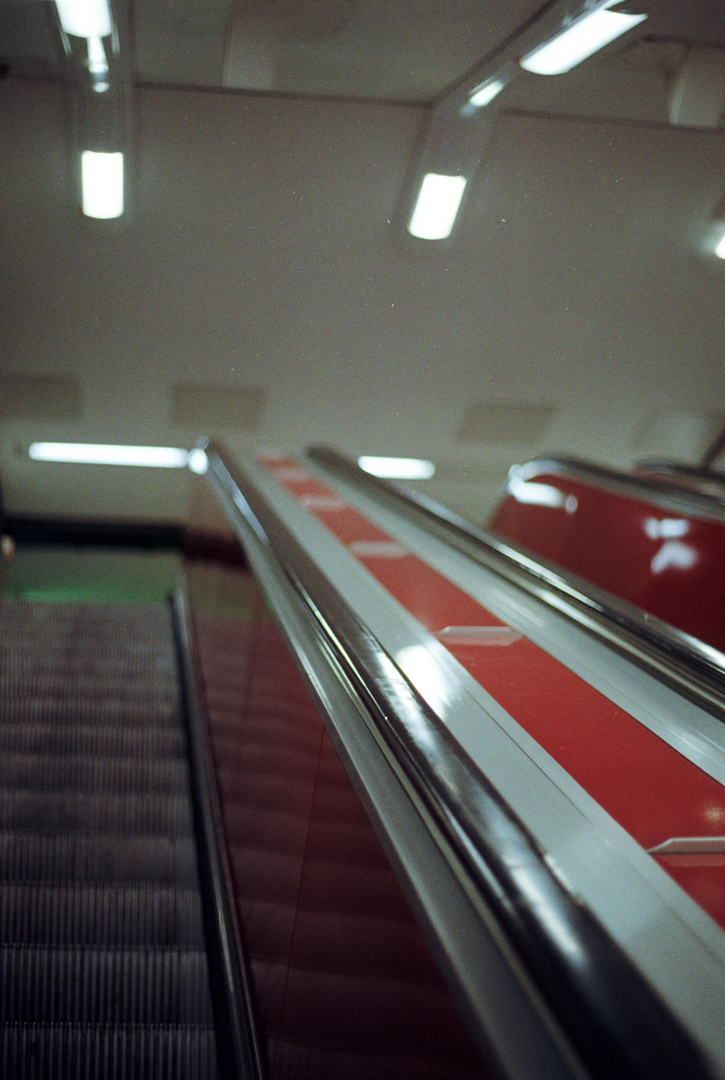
(39, 397)
(208, 408)
(505, 421)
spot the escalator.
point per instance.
(104, 969)
(379, 797)
(121, 952)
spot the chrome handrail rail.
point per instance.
(600, 1000)
(695, 668)
(698, 474)
(670, 497)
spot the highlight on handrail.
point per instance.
(711, 481)
(669, 496)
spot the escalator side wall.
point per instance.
(668, 564)
(345, 982)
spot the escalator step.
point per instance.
(132, 625)
(101, 857)
(33, 913)
(91, 739)
(103, 971)
(85, 659)
(93, 774)
(64, 810)
(124, 1052)
(102, 710)
(90, 985)
(88, 656)
(105, 686)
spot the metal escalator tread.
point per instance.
(90, 739)
(92, 773)
(39, 708)
(121, 1051)
(57, 857)
(91, 985)
(148, 914)
(22, 808)
(102, 964)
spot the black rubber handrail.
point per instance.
(239, 1051)
(693, 667)
(614, 1020)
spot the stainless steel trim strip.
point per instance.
(691, 845)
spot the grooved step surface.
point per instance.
(101, 857)
(121, 1051)
(75, 914)
(121, 686)
(89, 811)
(73, 709)
(89, 985)
(103, 971)
(92, 740)
(89, 774)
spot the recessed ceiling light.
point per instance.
(580, 38)
(397, 468)
(157, 457)
(486, 92)
(85, 18)
(198, 461)
(98, 65)
(437, 206)
(102, 179)
(720, 249)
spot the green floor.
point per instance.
(49, 572)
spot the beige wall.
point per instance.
(258, 252)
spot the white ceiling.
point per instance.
(260, 252)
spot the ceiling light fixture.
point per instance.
(485, 92)
(437, 206)
(580, 38)
(102, 180)
(98, 64)
(85, 18)
(720, 249)
(198, 461)
(157, 457)
(397, 468)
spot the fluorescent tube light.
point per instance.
(98, 65)
(102, 178)
(85, 18)
(437, 206)
(578, 39)
(198, 461)
(526, 491)
(97, 62)
(397, 468)
(486, 92)
(157, 457)
(720, 249)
